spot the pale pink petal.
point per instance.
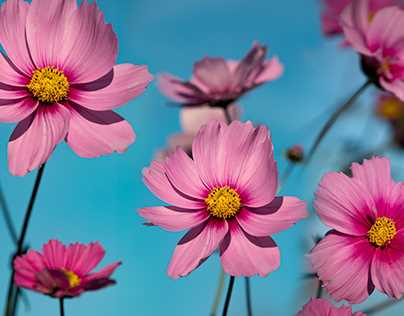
(10, 77)
(396, 87)
(343, 263)
(387, 268)
(124, 83)
(35, 138)
(173, 218)
(104, 273)
(345, 204)
(13, 16)
(213, 73)
(245, 255)
(178, 90)
(82, 259)
(54, 255)
(272, 70)
(16, 110)
(47, 24)
(95, 133)
(322, 307)
(183, 175)
(196, 246)
(270, 219)
(156, 180)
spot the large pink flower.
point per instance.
(378, 38)
(365, 249)
(332, 9)
(225, 196)
(219, 82)
(59, 81)
(322, 307)
(63, 271)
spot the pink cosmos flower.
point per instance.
(191, 119)
(332, 9)
(322, 307)
(219, 82)
(63, 271)
(365, 247)
(59, 81)
(378, 38)
(225, 197)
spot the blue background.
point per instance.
(96, 199)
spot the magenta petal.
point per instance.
(179, 91)
(17, 110)
(128, 81)
(35, 138)
(13, 16)
(54, 254)
(272, 70)
(173, 218)
(104, 273)
(270, 219)
(343, 262)
(10, 77)
(196, 246)
(322, 307)
(95, 133)
(213, 73)
(246, 255)
(82, 259)
(156, 180)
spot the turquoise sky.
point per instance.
(86, 200)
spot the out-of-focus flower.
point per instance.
(63, 271)
(225, 196)
(378, 39)
(295, 154)
(191, 120)
(322, 307)
(364, 248)
(389, 107)
(59, 81)
(332, 9)
(219, 82)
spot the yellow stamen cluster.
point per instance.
(382, 231)
(223, 202)
(49, 85)
(73, 278)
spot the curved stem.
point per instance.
(327, 126)
(219, 292)
(248, 296)
(381, 307)
(62, 306)
(10, 305)
(228, 296)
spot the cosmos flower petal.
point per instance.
(82, 259)
(104, 273)
(273, 218)
(322, 307)
(343, 262)
(47, 25)
(196, 246)
(344, 204)
(213, 73)
(35, 138)
(396, 87)
(54, 254)
(16, 110)
(173, 218)
(387, 269)
(123, 83)
(10, 77)
(272, 70)
(246, 255)
(97, 133)
(178, 90)
(13, 16)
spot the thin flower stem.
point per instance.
(228, 296)
(248, 296)
(7, 217)
(342, 109)
(10, 305)
(227, 114)
(62, 306)
(319, 293)
(219, 292)
(381, 307)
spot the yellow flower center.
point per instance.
(223, 202)
(73, 278)
(49, 85)
(382, 231)
(391, 108)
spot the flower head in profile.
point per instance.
(364, 249)
(191, 119)
(59, 81)
(225, 197)
(63, 271)
(219, 82)
(322, 307)
(377, 37)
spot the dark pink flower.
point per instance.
(322, 307)
(59, 81)
(365, 247)
(225, 197)
(219, 82)
(63, 271)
